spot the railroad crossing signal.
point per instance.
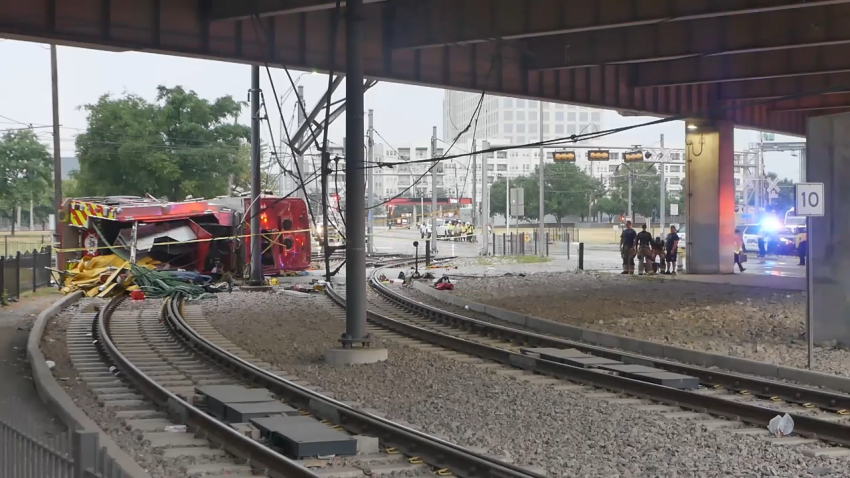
(633, 156)
(772, 185)
(598, 155)
(559, 156)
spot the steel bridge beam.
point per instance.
(241, 10)
(746, 67)
(434, 23)
(710, 37)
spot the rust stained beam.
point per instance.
(823, 103)
(489, 20)
(706, 38)
(236, 10)
(801, 86)
(747, 67)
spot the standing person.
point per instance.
(658, 255)
(644, 244)
(423, 229)
(672, 245)
(762, 241)
(628, 240)
(739, 245)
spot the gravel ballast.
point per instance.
(754, 323)
(566, 432)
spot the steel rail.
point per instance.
(431, 450)
(803, 425)
(759, 387)
(256, 454)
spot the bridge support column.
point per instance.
(828, 162)
(710, 205)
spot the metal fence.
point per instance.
(75, 454)
(517, 244)
(24, 272)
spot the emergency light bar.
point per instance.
(598, 155)
(633, 156)
(564, 156)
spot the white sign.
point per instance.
(808, 199)
(674, 209)
(773, 185)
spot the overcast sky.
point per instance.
(403, 113)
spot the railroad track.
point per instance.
(162, 357)
(745, 404)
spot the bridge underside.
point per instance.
(767, 64)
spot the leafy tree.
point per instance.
(568, 190)
(26, 172)
(176, 146)
(610, 206)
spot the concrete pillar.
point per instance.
(709, 152)
(828, 162)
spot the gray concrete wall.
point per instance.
(828, 162)
(710, 206)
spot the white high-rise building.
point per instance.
(514, 119)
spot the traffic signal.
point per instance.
(564, 156)
(622, 218)
(633, 156)
(598, 155)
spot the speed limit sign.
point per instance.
(808, 199)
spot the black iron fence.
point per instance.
(24, 272)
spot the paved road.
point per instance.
(19, 400)
(597, 257)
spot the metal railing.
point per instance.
(24, 272)
(72, 454)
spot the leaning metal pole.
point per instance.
(355, 177)
(256, 244)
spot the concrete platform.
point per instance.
(337, 356)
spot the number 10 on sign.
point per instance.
(808, 199)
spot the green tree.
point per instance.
(26, 172)
(609, 206)
(176, 146)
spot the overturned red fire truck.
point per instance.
(197, 235)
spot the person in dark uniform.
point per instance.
(644, 254)
(628, 241)
(672, 245)
(658, 255)
(739, 246)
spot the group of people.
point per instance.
(655, 256)
(456, 230)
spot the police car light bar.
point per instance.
(564, 156)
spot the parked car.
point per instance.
(783, 242)
(751, 237)
(441, 228)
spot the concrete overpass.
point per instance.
(775, 65)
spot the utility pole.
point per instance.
(508, 196)
(474, 192)
(434, 191)
(301, 120)
(256, 278)
(355, 179)
(370, 186)
(541, 237)
(57, 157)
(485, 202)
(663, 189)
(630, 195)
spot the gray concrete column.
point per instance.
(710, 205)
(828, 162)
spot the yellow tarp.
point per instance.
(100, 276)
